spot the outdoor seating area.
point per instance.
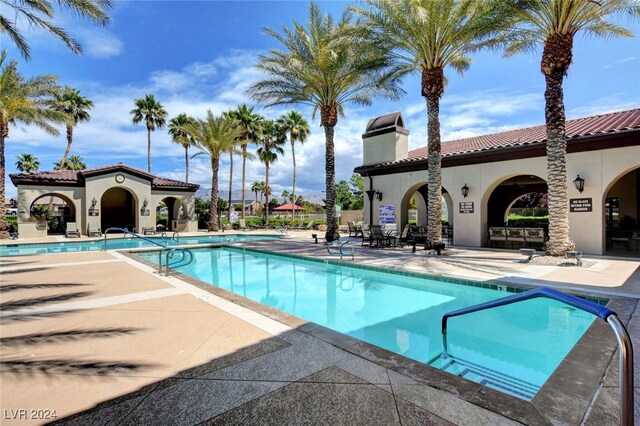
(93, 230)
(524, 237)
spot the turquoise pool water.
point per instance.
(513, 348)
(119, 243)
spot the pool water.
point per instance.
(120, 243)
(513, 348)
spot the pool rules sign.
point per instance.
(579, 205)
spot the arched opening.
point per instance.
(517, 213)
(169, 210)
(118, 209)
(622, 214)
(52, 211)
(414, 206)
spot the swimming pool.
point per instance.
(120, 243)
(513, 348)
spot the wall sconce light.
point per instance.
(579, 184)
(13, 203)
(465, 190)
(378, 195)
(144, 203)
(93, 203)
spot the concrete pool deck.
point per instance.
(101, 339)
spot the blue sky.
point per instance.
(199, 55)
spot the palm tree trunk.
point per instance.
(244, 163)
(213, 209)
(69, 142)
(293, 190)
(434, 161)
(230, 183)
(266, 198)
(559, 242)
(186, 163)
(4, 225)
(148, 150)
(330, 181)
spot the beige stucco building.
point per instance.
(108, 196)
(499, 168)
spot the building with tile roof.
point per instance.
(497, 169)
(108, 196)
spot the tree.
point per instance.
(298, 129)
(37, 14)
(214, 137)
(26, 101)
(323, 68)
(179, 136)
(287, 197)
(27, 163)
(74, 162)
(75, 107)
(250, 124)
(271, 141)
(344, 198)
(554, 24)
(154, 116)
(427, 36)
(357, 190)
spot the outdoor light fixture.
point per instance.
(378, 195)
(13, 203)
(579, 184)
(93, 203)
(144, 203)
(465, 190)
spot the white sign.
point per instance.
(233, 217)
(386, 214)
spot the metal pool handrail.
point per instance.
(341, 248)
(126, 231)
(170, 251)
(624, 341)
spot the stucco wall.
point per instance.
(27, 194)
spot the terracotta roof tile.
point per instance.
(580, 127)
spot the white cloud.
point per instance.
(101, 43)
(620, 62)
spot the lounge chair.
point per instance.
(72, 230)
(149, 231)
(93, 230)
(242, 225)
(310, 225)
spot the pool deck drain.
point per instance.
(102, 340)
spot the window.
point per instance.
(612, 210)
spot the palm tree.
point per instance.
(321, 68)
(27, 163)
(74, 162)
(554, 25)
(255, 188)
(75, 106)
(215, 136)
(250, 124)
(427, 36)
(179, 136)
(27, 102)
(271, 141)
(37, 12)
(154, 116)
(298, 130)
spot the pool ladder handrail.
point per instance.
(606, 314)
(133, 234)
(170, 251)
(332, 244)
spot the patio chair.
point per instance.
(242, 225)
(354, 230)
(377, 238)
(94, 230)
(148, 231)
(72, 230)
(366, 234)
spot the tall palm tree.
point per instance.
(179, 136)
(41, 13)
(271, 141)
(74, 162)
(214, 137)
(154, 116)
(298, 129)
(427, 36)
(255, 188)
(76, 107)
(26, 101)
(554, 25)
(27, 163)
(320, 68)
(250, 124)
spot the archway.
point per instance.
(518, 201)
(118, 209)
(168, 210)
(52, 211)
(621, 215)
(414, 206)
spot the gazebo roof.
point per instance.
(77, 178)
(288, 207)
